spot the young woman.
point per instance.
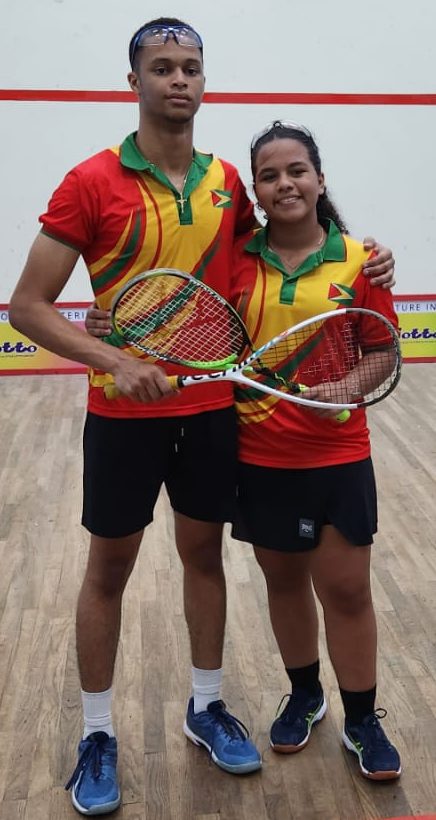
(307, 496)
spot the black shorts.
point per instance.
(126, 461)
(286, 509)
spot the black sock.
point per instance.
(358, 705)
(306, 677)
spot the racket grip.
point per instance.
(111, 392)
(176, 382)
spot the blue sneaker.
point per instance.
(291, 730)
(94, 785)
(378, 759)
(224, 736)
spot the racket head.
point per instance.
(356, 348)
(170, 315)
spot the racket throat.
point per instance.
(290, 387)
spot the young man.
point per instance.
(152, 202)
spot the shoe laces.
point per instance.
(92, 755)
(292, 709)
(376, 738)
(231, 725)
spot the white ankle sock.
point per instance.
(206, 687)
(97, 712)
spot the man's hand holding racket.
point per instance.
(133, 378)
(140, 381)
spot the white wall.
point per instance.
(378, 159)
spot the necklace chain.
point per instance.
(291, 264)
(181, 199)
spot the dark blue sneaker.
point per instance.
(94, 785)
(291, 730)
(224, 736)
(378, 759)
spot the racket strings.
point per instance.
(180, 321)
(330, 354)
(145, 307)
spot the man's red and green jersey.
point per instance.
(125, 217)
(273, 432)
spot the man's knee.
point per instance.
(110, 562)
(199, 544)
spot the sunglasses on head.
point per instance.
(158, 36)
(277, 125)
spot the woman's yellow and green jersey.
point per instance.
(276, 433)
(125, 217)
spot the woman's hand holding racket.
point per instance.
(363, 383)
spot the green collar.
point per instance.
(131, 157)
(333, 250)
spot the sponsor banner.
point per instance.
(416, 313)
(20, 355)
(417, 320)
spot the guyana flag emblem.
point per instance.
(221, 199)
(341, 294)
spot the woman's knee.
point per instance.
(346, 596)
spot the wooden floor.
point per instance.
(164, 777)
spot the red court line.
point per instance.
(221, 97)
(399, 297)
(409, 297)
(414, 817)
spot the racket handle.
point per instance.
(111, 392)
(341, 417)
(176, 382)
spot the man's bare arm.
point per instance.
(47, 270)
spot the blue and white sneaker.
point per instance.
(94, 784)
(291, 730)
(224, 736)
(378, 758)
